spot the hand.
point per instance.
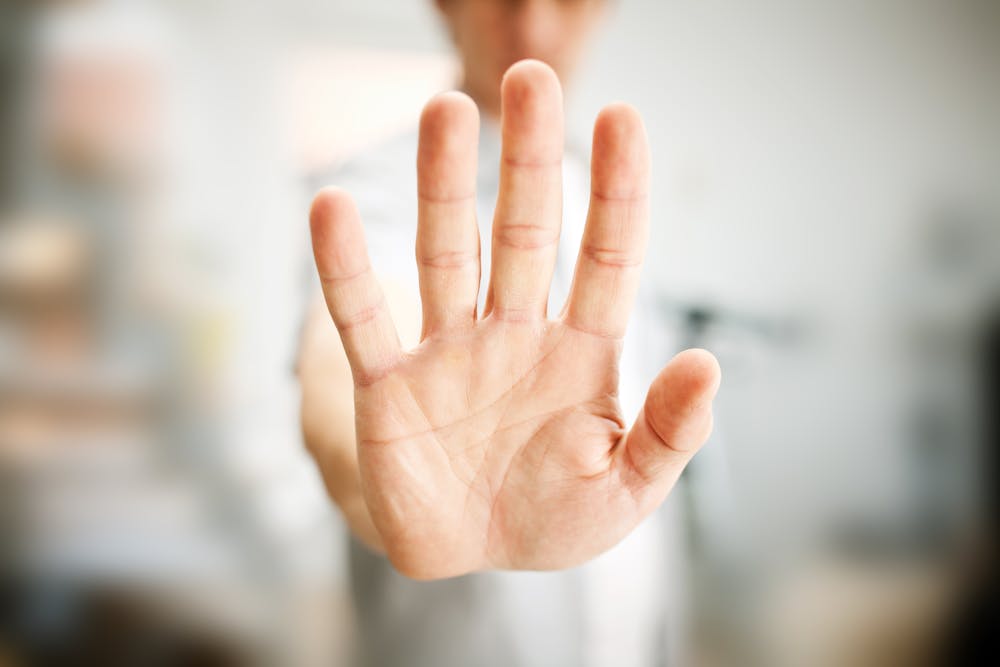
(498, 442)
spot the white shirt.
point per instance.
(613, 610)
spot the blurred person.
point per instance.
(495, 493)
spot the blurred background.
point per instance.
(827, 221)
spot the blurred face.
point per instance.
(491, 35)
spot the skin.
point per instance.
(495, 439)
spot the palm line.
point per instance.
(479, 412)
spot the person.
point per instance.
(478, 444)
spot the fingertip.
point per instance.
(527, 76)
(337, 237)
(621, 162)
(531, 114)
(531, 99)
(687, 383)
(696, 372)
(620, 119)
(448, 147)
(328, 205)
(450, 111)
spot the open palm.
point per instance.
(498, 442)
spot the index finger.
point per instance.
(617, 229)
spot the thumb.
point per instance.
(673, 424)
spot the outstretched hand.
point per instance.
(498, 442)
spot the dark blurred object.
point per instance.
(15, 36)
(991, 430)
(975, 638)
(63, 626)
